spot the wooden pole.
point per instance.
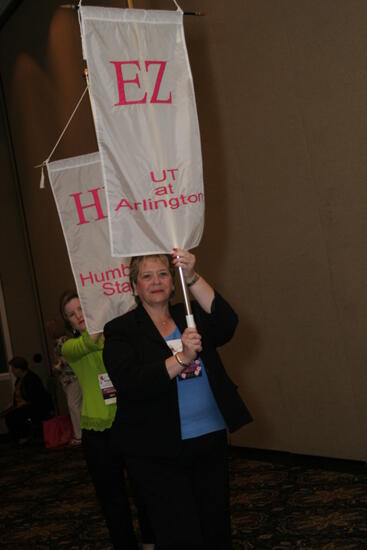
(130, 4)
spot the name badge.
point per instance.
(108, 391)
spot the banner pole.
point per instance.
(189, 316)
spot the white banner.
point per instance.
(147, 128)
(102, 281)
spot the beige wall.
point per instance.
(20, 309)
(280, 90)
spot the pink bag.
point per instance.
(57, 431)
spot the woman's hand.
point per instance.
(202, 291)
(191, 345)
(186, 260)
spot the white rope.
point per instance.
(44, 163)
(177, 6)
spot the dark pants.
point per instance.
(188, 497)
(106, 469)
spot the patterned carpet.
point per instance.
(279, 501)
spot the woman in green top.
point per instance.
(84, 354)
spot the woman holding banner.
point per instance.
(84, 354)
(175, 401)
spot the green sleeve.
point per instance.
(76, 348)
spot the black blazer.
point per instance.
(147, 419)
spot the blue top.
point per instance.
(199, 412)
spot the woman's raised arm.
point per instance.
(201, 290)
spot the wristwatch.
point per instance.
(194, 280)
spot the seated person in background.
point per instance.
(66, 377)
(31, 402)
